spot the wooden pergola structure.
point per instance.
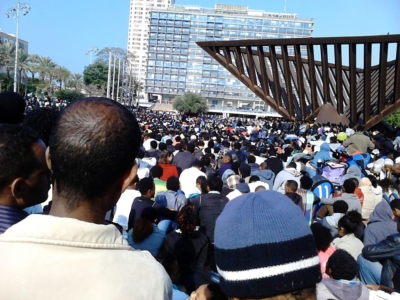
(297, 76)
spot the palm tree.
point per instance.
(33, 65)
(76, 81)
(7, 54)
(61, 74)
(23, 65)
(46, 67)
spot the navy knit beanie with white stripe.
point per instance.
(264, 247)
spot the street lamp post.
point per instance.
(14, 12)
(90, 52)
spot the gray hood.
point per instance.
(381, 213)
(344, 290)
(353, 172)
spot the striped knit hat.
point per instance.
(264, 247)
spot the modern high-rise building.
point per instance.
(138, 31)
(176, 64)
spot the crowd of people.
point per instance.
(99, 202)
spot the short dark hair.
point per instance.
(42, 120)
(190, 147)
(292, 185)
(12, 108)
(350, 221)
(349, 186)
(342, 265)
(17, 158)
(395, 203)
(237, 146)
(245, 170)
(306, 182)
(156, 171)
(153, 144)
(173, 183)
(162, 146)
(94, 142)
(251, 159)
(187, 221)
(340, 206)
(254, 178)
(322, 236)
(168, 142)
(215, 183)
(145, 184)
(206, 160)
(360, 128)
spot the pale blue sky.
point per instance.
(65, 29)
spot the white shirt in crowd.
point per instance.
(124, 205)
(188, 180)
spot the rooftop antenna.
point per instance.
(284, 8)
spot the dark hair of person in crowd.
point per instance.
(260, 188)
(386, 184)
(153, 144)
(215, 183)
(340, 206)
(373, 180)
(216, 292)
(168, 142)
(42, 120)
(162, 146)
(173, 183)
(156, 171)
(202, 181)
(306, 182)
(143, 227)
(322, 236)
(145, 184)
(206, 160)
(12, 108)
(360, 128)
(187, 221)
(342, 266)
(251, 159)
(350, 222)
(395, 204)
(254, 178)
(210, 144)
(85, 168)
(18, 158)
(349, 186)
(190, 147)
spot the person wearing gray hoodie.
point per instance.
(265, 174)
(290, 173)
(380, 224)
(343, 283)
(353, 172)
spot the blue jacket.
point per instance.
(324, 154)
(152, 243)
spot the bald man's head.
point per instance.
(95, 142)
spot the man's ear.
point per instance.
(129, 177)
(48, 158)
(18, 191)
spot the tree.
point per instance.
(7, 54)
(96, 74)
(393, 119)
(33, 66)
(62, 74)
(103, 54)
(76, 81)
(191, 103)
(68, 95)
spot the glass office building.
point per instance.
(175, 63)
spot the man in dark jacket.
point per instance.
(209, 206)
(147, 190)
(387, 252)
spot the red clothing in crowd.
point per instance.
(168, 171)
